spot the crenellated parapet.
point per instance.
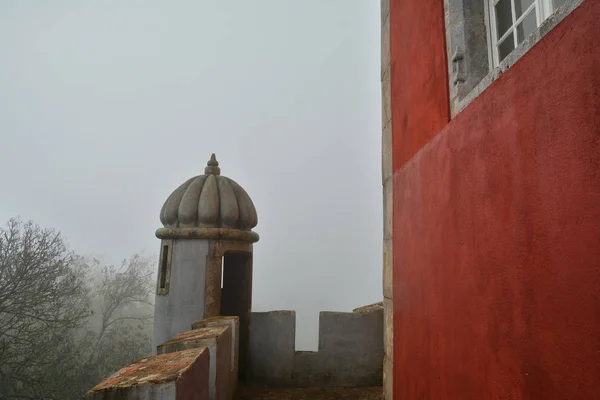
(350, 351)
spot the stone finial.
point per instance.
(212, 166)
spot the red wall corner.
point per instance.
(496, 222)
(419, 75)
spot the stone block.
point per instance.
(385, 46)
(388, 268)
(184, 304)
(272, 346)
(310, 370)
(234, 325)
(385, 10)
(375, 307)
(217, 340)
(388, 208)
(386, 153)
(388, 379)
(386, 99)
(351, 347)
(388, 327)
(467, 47)
(453, 12)
(182, 375)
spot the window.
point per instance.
(164, 267)
(512, 21)
(480, 34)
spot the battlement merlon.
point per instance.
(350, 351)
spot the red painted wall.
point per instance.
(418, 73)
(497, 230)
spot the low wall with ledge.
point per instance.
(350, 351)
(180, 375)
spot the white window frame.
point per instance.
(544, 9)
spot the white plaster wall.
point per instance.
(175, 312)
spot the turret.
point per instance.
(205, 266)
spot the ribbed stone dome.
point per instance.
(209, 201)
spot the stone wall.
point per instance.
(388, 190)
(350, 349)
(184, 303)
(181, 375)
(496, 224)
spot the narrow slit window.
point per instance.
(222, 270)
(164, 269)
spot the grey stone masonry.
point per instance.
(234, 324)
(466, 45)
(217, 339)
(176, 311)
(387, 179)
(350, 350)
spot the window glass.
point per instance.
(506, 47)
(503, 16)
(521, 6)
(526, 26)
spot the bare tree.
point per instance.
(125, 315)
(43, 300)
(58, 336)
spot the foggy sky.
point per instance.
(106, 107)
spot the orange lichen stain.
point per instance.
(212, 321)
(218, 318)
(369, 308)
(196, 334)
(156, 370)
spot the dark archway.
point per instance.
(236, 300)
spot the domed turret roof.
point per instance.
(209, 201)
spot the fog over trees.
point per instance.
(101, 118)
(66, 322)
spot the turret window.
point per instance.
(164, 267)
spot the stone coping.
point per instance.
(207, 233)
(369, 308)
(155, 370)
(214, 320)
(196, 334)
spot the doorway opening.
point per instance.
(236, 300)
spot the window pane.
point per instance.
(503, 16)
(521, 6)
(506, 47)
(558, 3)
(526, 26)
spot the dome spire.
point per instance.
(212, 166)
